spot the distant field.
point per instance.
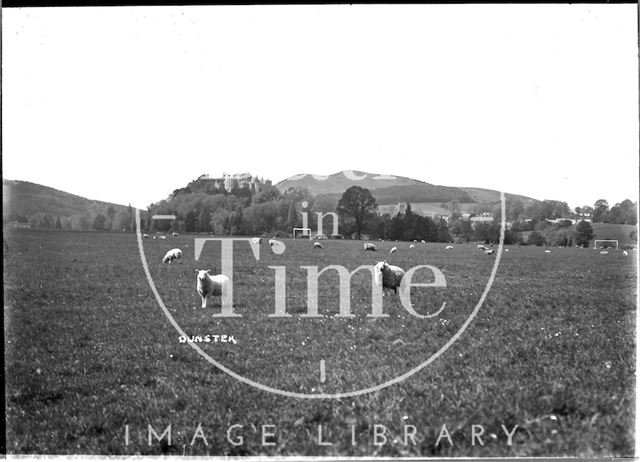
(424, 208)
(611, 231)
(88, 351)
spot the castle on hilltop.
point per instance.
(238, 180)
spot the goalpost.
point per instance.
(305, 232)
(605, 243)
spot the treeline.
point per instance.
(112, 218)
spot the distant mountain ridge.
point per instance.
(392, 189)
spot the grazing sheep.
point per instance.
(423, 241)
(412, 246)
(482, 247)
(155, 237)
(145, 236)
(393, 250)
(257, 240)
(173, 254)
(174, 234)
(212, 285)
(449, 247)
(506, 250)
(625, 253)
(388, 275)
(370, 246)
(603, 252)
(163, 237)
(547, 251)
(317, 245)
(489, 252)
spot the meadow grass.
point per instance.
(88, 351)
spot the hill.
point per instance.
(391, 189)
(42, 206)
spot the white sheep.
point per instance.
(163, 237)
(449, 247)
(317, 245)
(174, 234)
(489, 252)
(145, 236)
(423, 241)
(603, 252)
(412, 246)
(388, 275)
(393, 250)
(482, 247)
(257, 240)
(625, 253)
(171, 255)
(370, 246)
(212, 285)
(547, 251)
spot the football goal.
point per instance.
(304, 232)
(605, 244)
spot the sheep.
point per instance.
(163, 237)
(317, 245)
(171, 255)
(411, 246)
(212, 285)
(175, 234)
(274, 241)
(603, 252)
(393, 250)
(449, 247)
(482, 247)
(547, 251)
(155, 237)
(489, 252)
(423, 241)
(506, 250)
(145, 236)
(370, 246)
(388, 275)
(257, 240)
(625, 253)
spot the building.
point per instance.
(238, 180)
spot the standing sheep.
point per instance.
(210, 286)
(388, 275)
(171, 255)
(370, 246)
(449, 247)
(393, 250)
(174, 234)
(489, 252)
(317, 245)
(482, 247)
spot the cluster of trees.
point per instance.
(111, 219)
(559, 234)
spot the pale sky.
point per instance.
(126, 104)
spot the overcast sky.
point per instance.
(126, 104)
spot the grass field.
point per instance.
(88, 351)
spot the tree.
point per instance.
(443, 231)
(100, 222)
(600, 209)
(584, 233)
(204, 220)
(535, 238)
(358, 203)
(454, 209)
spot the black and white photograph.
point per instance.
(321, 231)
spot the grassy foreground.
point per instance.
(89, 353)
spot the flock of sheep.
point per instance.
(389, 276)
